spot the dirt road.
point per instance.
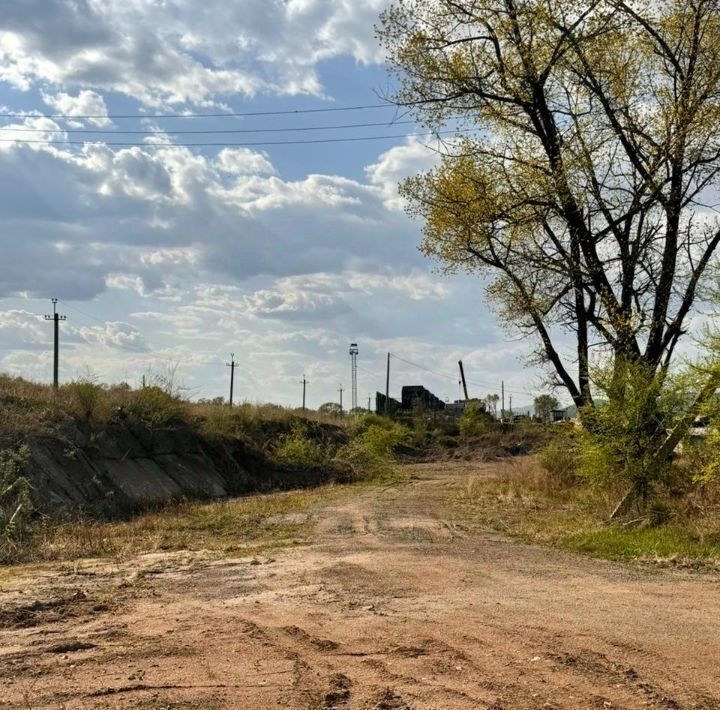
(398, 603)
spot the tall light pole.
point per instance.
(353, 371)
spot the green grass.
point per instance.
(667, 544)
(526, 502)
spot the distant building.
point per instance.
(393, 405)
(417, 396)
(413, 396)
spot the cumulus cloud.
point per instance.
(118, 335)
(243, 161)
(85, 103)
(394, 165)
(148, 218)
(183, 51)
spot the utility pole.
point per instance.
(304, 384)
(369, 400)
(232, 365)
(502, 407)
(511, 414)
(353, 373)
(462, 378)
(56, 318)
(340, 390)
(387, 386)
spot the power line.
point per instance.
(160, 131)
(288, 112)
(237, 145)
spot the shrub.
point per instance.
(156, 406)
(15, 504)
(298, 449)
(622, 434)
(560, 459)
(474, 421)
(371, 454)
(86, 400)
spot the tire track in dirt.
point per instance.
(398, 603)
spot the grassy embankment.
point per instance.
(360, 449)
(543, 500)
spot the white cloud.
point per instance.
(394, 165)
(118, 335)
(86, 103)
(183, 51)
(243, 161)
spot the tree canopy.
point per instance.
(585, 180)
(544, 405)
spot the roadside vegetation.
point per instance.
(358, 449)
(560, 498)
(242, 526)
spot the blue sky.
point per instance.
(165, 256)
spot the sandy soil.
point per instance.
(398, 603)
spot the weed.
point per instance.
(530, 502)
(15, 504)
(371, 453)
(87, 400)
(242, 524)
(156, 406)
(297, 449)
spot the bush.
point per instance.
(156, 406)
(298, 449)
(621, 435)
(371, 454)
(87, 400)
(15, 504)
(560, 459)
(474, 421)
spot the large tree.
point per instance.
(584, 179)
(544, 405)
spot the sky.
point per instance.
(167, 257)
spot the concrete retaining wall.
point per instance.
(126, 468)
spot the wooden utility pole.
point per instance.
(502, 406)
(387, 386)
(340, 390)
(462, 378)
(232, 365)
(56, 318)
(369, 400)
(304, 384)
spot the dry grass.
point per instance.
(30, 408)
(526, 501)
(243, 524)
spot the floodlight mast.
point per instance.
(353, 371)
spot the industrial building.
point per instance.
(412, 397)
